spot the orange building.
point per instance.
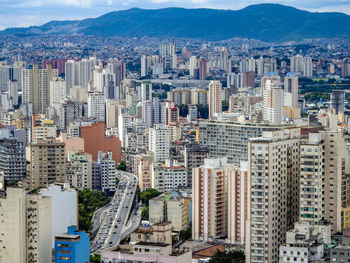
(95, 141)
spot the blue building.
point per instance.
(72, 247)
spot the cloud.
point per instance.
(36, 12)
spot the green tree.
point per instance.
(183, 110)
(203, 111)
(145, 212)
(225, 105)
(228, 256)
(186, 234)
(148, 194)
(89, 201)
(121, 166)
(95, 258)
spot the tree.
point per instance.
(186, 234)
(224, 105)
(228, 256)
(89, 202)
(148, 194)
(95, 258)
(121, 166)
(203, 111)
(183, 108)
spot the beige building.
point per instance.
(336, 181)
(209, 199)
(312, 176)
(25, 229)
(47, 163)
(177, 213)
(237, 204)
(273, 193)
(215, 97)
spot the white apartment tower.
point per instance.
(96, 106)
(272, 99)
(273, 193)
(159, 142)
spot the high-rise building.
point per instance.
(144, 66)
(64, 207)
(237, 204)
(159, 142)
(338, 101)
(336, 181)
(107, 171)
(13, 162)
(203, 68)
(35, 87)
(96, 106)
(193, 65)
(57, 90)
(209, 199)
(273, 193)
(47, 162)
(291, 90)
(25, 229)
(230, 139)
(312, 178)
(272, 99)
(70, 75)
(194, 156)
(215, 97)
(95, 141)
(146, 91)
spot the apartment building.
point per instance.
(273, 193)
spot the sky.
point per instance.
(22, 13)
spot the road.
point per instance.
(114, 224)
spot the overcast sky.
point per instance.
(15, 13)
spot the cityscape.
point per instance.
(176, 135)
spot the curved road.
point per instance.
(114, 225)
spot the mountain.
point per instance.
(265, 22)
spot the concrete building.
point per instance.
(215, 97)
(338, 101)
(306, 243)
(85, 161)
(291, 90)
(148, 244)
(25, 229)
(336, 181)
(230, 139)
(107, 171)
(272, 99)
(146, 91)
(95, 141)
(312, 178)
(58, 90)
(13, 162)
(168, 178)
(96, 106)
(209, 199)
(72, 246)
(237, 204)
(273, 193)
(159, 142)
(35, 87)
(177, 213)
(194, 156)
(47, 162)
(64, 207)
